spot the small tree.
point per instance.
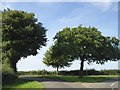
(53, 57)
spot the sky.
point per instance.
(57, 15)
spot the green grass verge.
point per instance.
(87, 79)
(21, 83)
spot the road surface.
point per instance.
(62, 85)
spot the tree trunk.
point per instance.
(13, 65)
(57, 70)
(81, 68)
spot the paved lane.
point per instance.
(61, 85)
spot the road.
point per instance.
(62, 85)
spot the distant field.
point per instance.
(88, 79)
(21, 83)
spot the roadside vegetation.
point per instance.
(22, 83)
(71, 72)
(91, 76)
(86, 79)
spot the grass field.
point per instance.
(21, 83)
(88, 79)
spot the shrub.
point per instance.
(91, 72)
(110, 72)
(53, 73)
(8, 75)
(38, 72)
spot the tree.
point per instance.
(22, 35)
(54, 57)
(88, 44)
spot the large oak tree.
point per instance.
(88, 44)
(22, 35)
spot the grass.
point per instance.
(87, 79)
(21, 83)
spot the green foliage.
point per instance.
(42, 72)
(53, 73)
(8, 75)
(22, 83)
(110, 72)
(87, 44)
(7, 69)
(91, 72)
(54, 57)
(22, 35)
(38, 72)
(69, 73)
(87, 79)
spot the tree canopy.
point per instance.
(54, 57)
(22, 35)
(88, 44)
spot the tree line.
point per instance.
(70, 73)
(23, 35)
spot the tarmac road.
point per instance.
(50, 84)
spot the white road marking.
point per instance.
(113, 83)
(86, 86)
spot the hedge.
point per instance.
(72, 72)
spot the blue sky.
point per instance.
(57, 15)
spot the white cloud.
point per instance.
(89, 16)
(80, 13)
(104, 6)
